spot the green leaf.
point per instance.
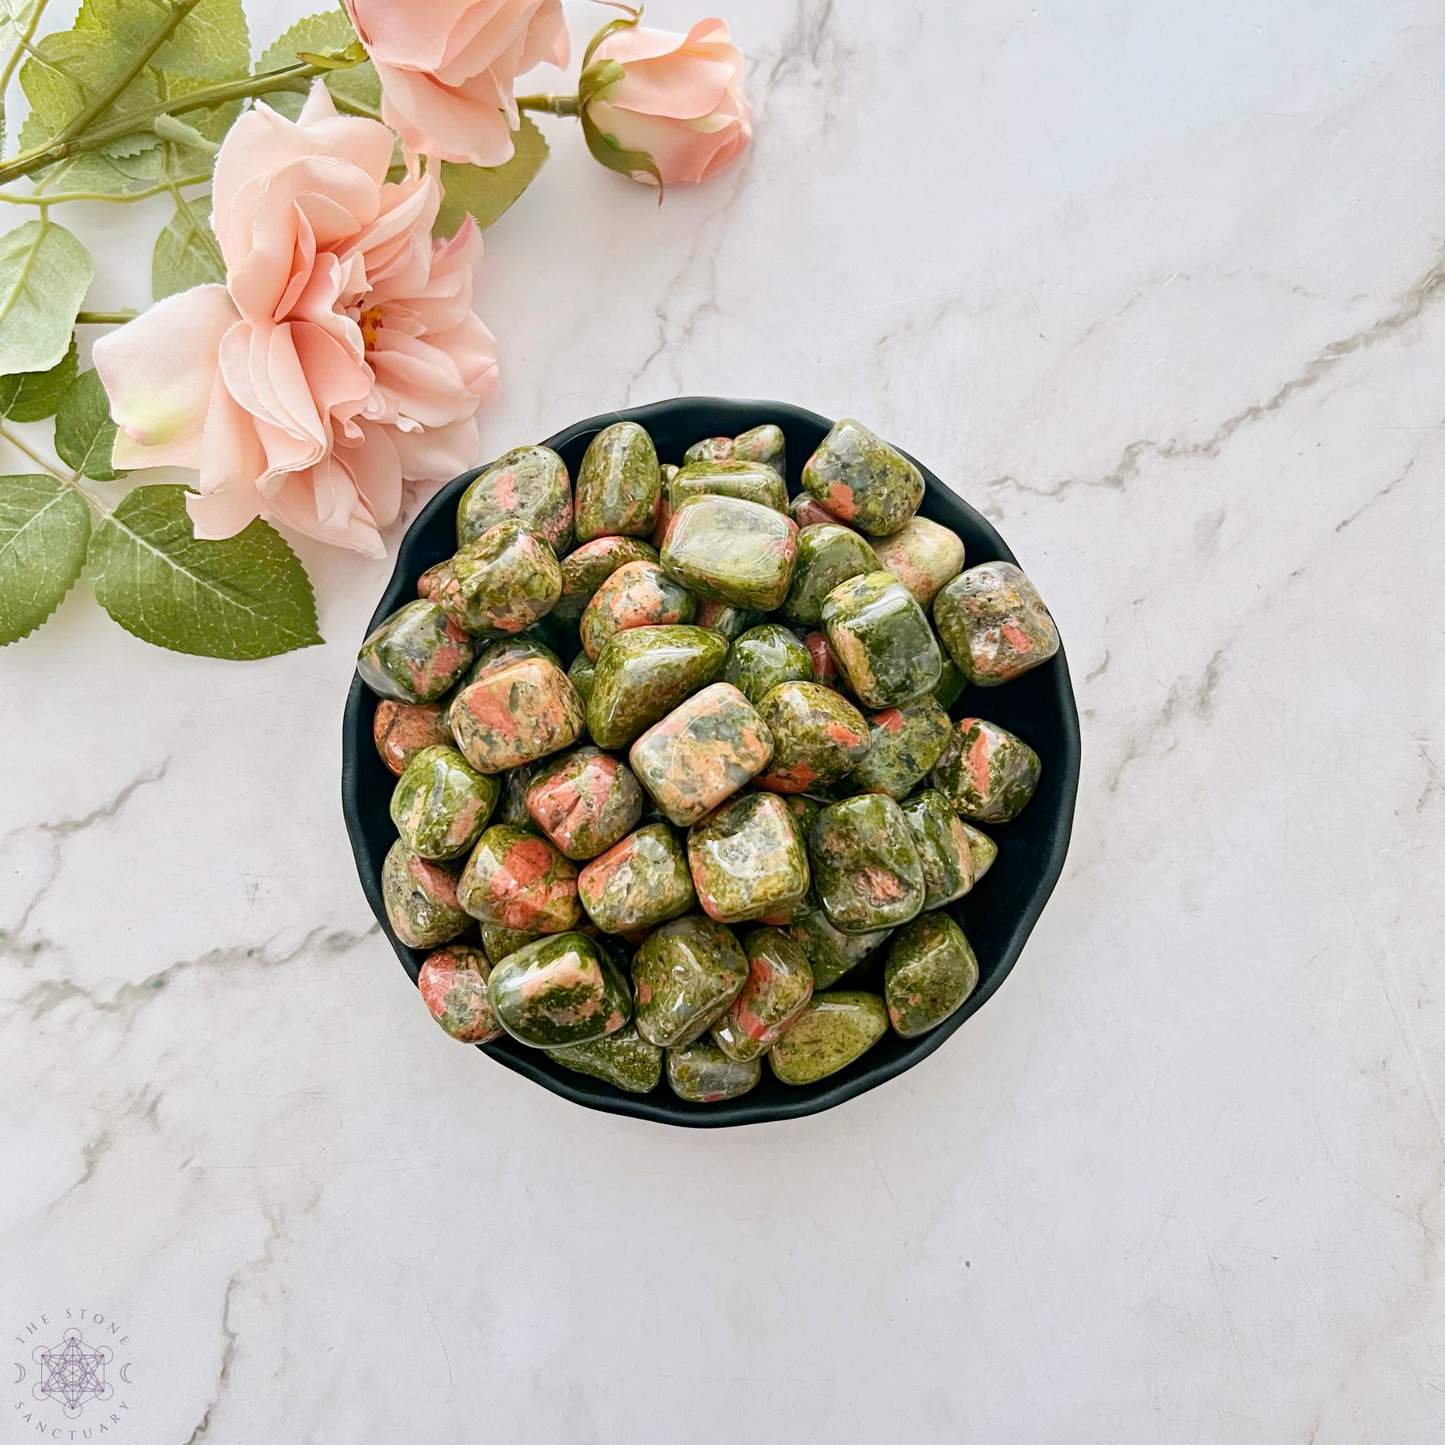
(605, 149)
(44, 274)
(44, 528)
(186, 253)
(211, 43)
(244, 598)
(486, 191)
(35, 395)
(84, 432)
(356, 88)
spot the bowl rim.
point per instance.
(660, 1106)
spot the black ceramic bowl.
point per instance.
(997, 914)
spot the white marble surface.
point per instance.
(1159, 288)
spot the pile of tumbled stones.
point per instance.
(744, 786)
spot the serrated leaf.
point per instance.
(44, 275)
(211, 43)
(44, 529)
(358, 86)
(244, 598)
(35, 395)
(186, 252)
(84, 432)
(486, 191)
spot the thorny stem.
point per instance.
(549, 104)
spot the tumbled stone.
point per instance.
(931, 971)
(982, 850)
(752, 481)
(702, 1074)
(559, 990)
(514, 714)
(638, 883)
(747, 859)
(582, 674)
(832, 1032)
(985, 772)
(503, 582)
(951, 683)
(764, 657)
(922, 555)
(828, 553)
(415, 655)
(832, 953)
(882, 640)
(865, 864)
(586, 569)
(943, 848)
(806, 511)
(519, 881)
(429, 584)
(506, 650)
(764, 443)
(623, 1059)
(995, 624)
(818, 737)
(441, 803)
(618, 484)
(904, 743)
(862, 480)
(702, 752)
(788, 913)
(825, 664)
(637, 594)
(585, 802)
(779, 985)
(729, 550)
(401, 730)
(642, 674)
(453, 985)
(420, 898)
(686, 974)
(731, 621)
(499, 942)
(528, 485)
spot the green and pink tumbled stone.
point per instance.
(882, 640)
(637, 883)
(833, 1031)
(516, 713)
(995, 624)
(930, 973)
(416, 655)
(619, 485)
(519, 881)
(865, 864)
(728, 550)
(401, 730)
(441, 803)
(818, 737)
(421, 898)
(587, 568)
(585, 802)
(505, 581)
(779, 985)
(528, 485)
(986, 773)
(637, 594)
(686, 974)
(453, 985)
(702, 1073)
(862, 480)
(747, 859)
(558, 991)
(922, 556)
(904, 743)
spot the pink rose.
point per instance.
(341, 357)
(678, 99)
(447, 68)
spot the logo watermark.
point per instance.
(74, 1380)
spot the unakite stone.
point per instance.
(702, 752)
(528, 485)
(686, 974)
(623, 1059)
(642, 674)
(786, 914)
(865, 864)
(618, 484)
(762, 658)
(828, 553)
(985, 772)
(503, 582)
(510, 649)
(942, 843)
(905, 742)
(586, 569)
(401, 730)
(752, 481)
(519, 881)
(638, 883)
(585, 802)
(818, 737)
(922, 555)
(982, 850)
(582, 674)
(931, 970)
(453, 984)
(807, 512)
(951, 683)
(862, 480)
(833, 1031)
(441, 803)
(415, 655)
(830, 952)
(500, 942)
(825, 663)
(637, 594)
(516, 713)
(764, 443)
(730, 550)
(780, 983)
(420, 898)
(702, 1074)
(747, 859)
(882, 640)
(559, 990)
(995, 624)
(731, 621)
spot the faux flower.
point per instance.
(673, 99)
(342, 355)
(447, 68)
